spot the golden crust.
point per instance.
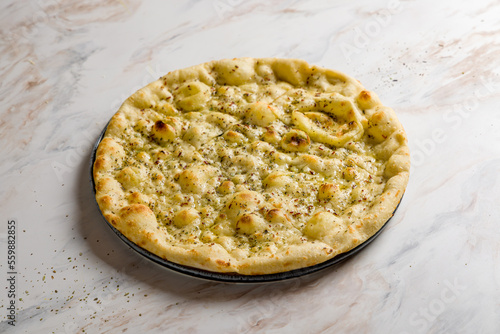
(251, 166)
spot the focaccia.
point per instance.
(251, 166)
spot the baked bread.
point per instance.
(251, 166)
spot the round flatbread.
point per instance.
(251, 166)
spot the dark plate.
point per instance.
(224, 277)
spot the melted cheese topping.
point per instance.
(256, 156)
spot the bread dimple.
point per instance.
(251, 165)
(195, 179)
(244, 202)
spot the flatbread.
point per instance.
(251, 166)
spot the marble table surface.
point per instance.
(66, 66)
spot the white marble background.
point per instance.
(65, 66)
